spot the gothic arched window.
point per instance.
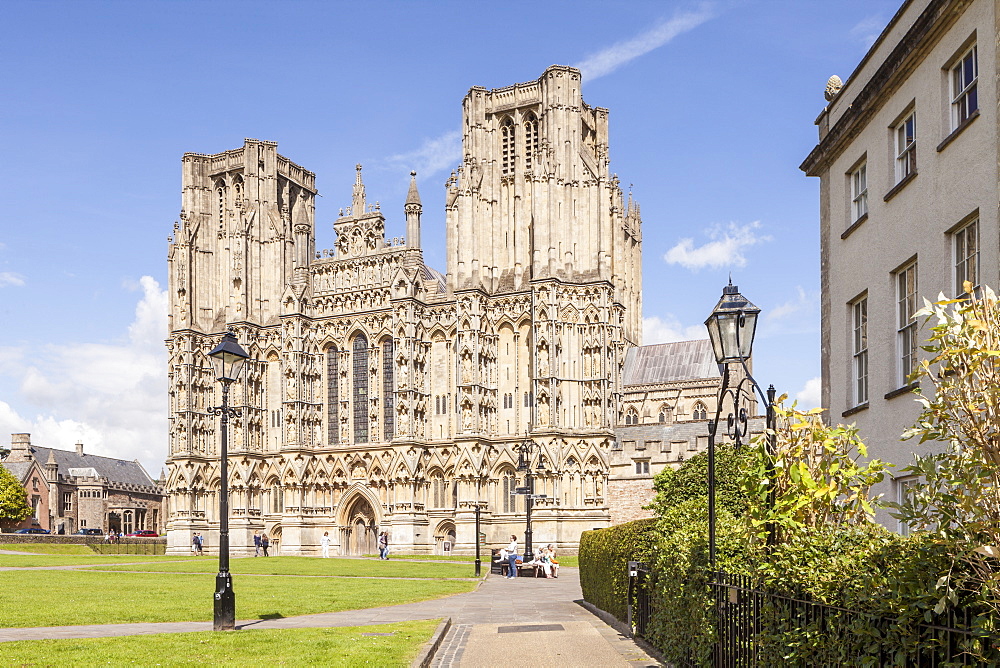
(509, 494)
(507, 146)
(360, 350)
(332, 396)
(388, 405)
(699, 412)
(530, 139)
(238, 189)
(220, 195)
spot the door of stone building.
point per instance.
(361, 535)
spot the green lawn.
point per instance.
(437, 557)
(291, 647)
(57, 598)
(311, 566)
(48, 548)
(33, 560)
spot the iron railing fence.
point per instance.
(752, 619)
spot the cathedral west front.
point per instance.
(386, 395)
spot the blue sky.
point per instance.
(712, 108)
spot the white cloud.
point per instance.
(669, 329)
(433, 156)
(610, 59)
(810, 396)
(10, 278)
(725, 248)
(802, 302)
(110, 396)
(868, 29)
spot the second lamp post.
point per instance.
(227, 358)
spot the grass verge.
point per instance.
(67, 598)
(346, 646)
(48, 548)
(311, 566)
(39, 560)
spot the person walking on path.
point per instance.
(383, 545)
(264, 543)
(256, 543)
(325, 542)
(512, 557)
(201, 544)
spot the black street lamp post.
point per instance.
(478, 505)
(227, 358)
(731, 328)
(524, 455)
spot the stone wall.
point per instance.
(627, 497)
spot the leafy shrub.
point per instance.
(690, 481)
(604, 557)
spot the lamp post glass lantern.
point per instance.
(731, 328)
(227, 358)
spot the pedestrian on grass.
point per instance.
(264, 543)
(325, 542)
(194, 543)
(256, 543)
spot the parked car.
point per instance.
(89, 532)
(143, 533)
(32, 530)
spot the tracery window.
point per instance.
(530, 139)
(507, 146)
(360, 389)
(509, 495)
(332, 396)
(699, 412)
(220, 193)
(389, 413)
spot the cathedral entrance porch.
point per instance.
(358, 526)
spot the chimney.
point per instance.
(79, 448)
(20, 448)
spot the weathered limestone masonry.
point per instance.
(381, 394)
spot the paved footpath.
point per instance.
(511, 623)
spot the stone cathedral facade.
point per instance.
(382, 394)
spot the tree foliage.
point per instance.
(675, 486)
(821, 476)
(13, 499)
(957, 493)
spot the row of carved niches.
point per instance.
(346, 276)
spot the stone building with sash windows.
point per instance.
(382, 394)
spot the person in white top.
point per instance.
(512, 557)
(325, 543)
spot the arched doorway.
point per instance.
(274, 536)
(360, 536)
(444, 537)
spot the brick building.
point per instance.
(73, 490)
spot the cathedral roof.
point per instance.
(666, 362)
(117, 471)
(436, 276)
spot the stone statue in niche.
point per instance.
(467, 417)
(290, 386)
(404, 373)
(292, 431)
(466, 367)
(345, 434)
(404, 422)
(543, 411)
(543, 360)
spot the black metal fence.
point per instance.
(751, 620)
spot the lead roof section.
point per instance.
(666, 362)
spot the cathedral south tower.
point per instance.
(381, 393)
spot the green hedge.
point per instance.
(604, 557)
